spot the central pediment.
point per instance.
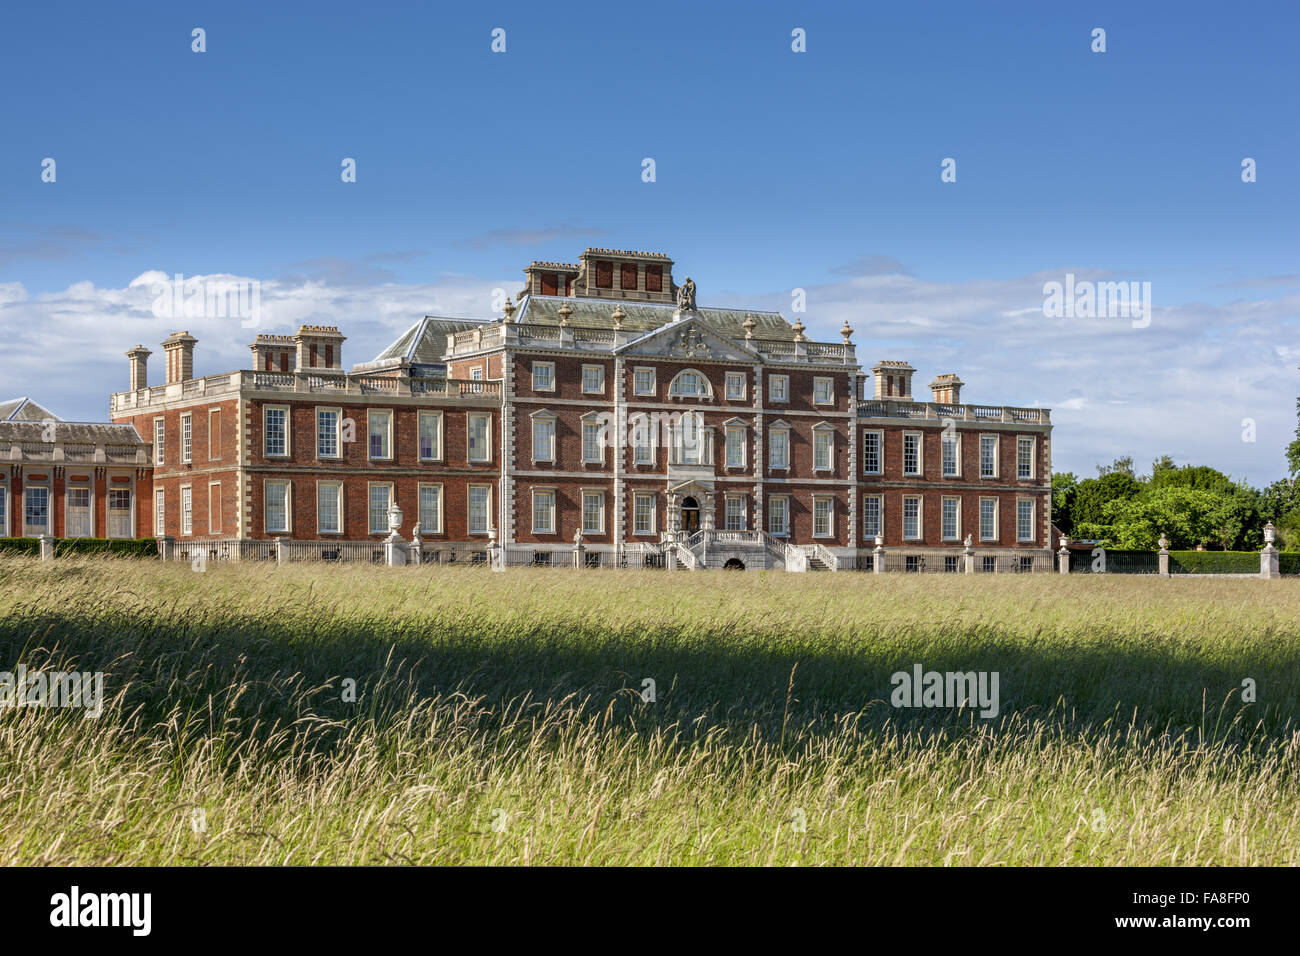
(690, 338)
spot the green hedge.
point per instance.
(1289, 562)
(1214, 562)
(119, 547)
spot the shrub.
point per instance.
(20, 546)
(119, 547)
(1214, 562)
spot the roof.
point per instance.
(89, 433)
(426, 340)
(594, 313)
(25, 410)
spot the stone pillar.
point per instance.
(166, 547)
(417, 546)
(968, 552)
(1270, 565)
(878, 556)
(496, 552)
(579, 551)
(1163, 556)
(47, 547)
(1063, 555)
(395, 552)
(279, 551)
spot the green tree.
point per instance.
(1121, 466)
(1293, 449)
(1093, 494)
(1064, 487)
(1198, 477)
(1188, 517)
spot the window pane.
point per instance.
(478, 509)
(591, 507)
(327, 508)
(276, 506)
(871, 517)
(643, 516)
(274, 438)
(378, 511)
(478, 438)
(430, 425)
(430, 509)
(327, 434)
(379, 422)
(36, 513)
(871, 452)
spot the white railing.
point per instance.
(892, 408)
(825, 556)
(796, 558)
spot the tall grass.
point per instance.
(499, 718)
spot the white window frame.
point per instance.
(543, 454)
(160, 440)
(919, 440)
(879, 435)
(944, 502)
(598, 389)
(187, 438)
(1033, 512)
(4, 510)
(735, 386)
(919, 534)
(420, 489)
(1033, 455)
(641, 425)
(336, 487)
(955, 445)
(372, 413)
(90, 510)
(637, 371)
(639, 496)
(827, 432)
(476, 373)
(582, 516)
(702, 392)
(187, 509)
(743, 514)
(487, 508)
(338, 432)
(266, 432)
(590, 421)
(108, 512)
(370, 490)
(549, 366)
(438, 434)
(550, 511)
(737, 430)
(48, 527)
(829, 501)
(771, 446)
(870, 536)
(997, 444)
(267, 484)
(159, 512)
(783, 510)
(784, 396)
(829, 383)
(996, 509)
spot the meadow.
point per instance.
(365, 715)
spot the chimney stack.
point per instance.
(893, 380)
(272, 353)
(179, 349)
(946, 389)
(319, 347)
(139, 357)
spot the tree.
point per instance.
(1093, 494)
(1064, 487)
(1199, 477)
(1293, 449)
(1162, 464)
(1122, 466)
(1188, 517)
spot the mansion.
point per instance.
(605, 414)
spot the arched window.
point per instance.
(690, 384)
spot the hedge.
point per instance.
(1214, 562)
(119, 547)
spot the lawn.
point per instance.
(367, 715)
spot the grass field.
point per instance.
(499, 718)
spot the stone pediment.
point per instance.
(689, 339)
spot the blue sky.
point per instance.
(775, 171)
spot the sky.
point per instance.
(774, 171)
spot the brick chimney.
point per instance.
(179, 349)
(319, 347)
(893, 380)
(139, 357)
(273, 353)
(946, 389)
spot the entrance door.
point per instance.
(690, 515)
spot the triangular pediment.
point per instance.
(689, 339)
